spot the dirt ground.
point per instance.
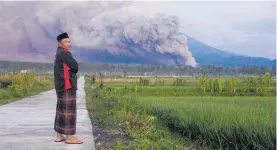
(104, 140)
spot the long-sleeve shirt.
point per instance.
(65, 69)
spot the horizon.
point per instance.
(250, 29)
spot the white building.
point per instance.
(23, 71)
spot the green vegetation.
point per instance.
(207, 86)
(20, 85)
(221, 122)
(205, 112)
(122, 114)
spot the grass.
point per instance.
(180, 117)
(233, 122)
(190, 89)
(21, 90)
(121, 114)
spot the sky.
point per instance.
(246, 28)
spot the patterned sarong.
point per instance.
(65, 120)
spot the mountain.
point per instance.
(207, 55)
(43, 50)
(203, 54)
(100, 33)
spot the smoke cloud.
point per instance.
(113, 26)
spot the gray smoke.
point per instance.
(113, 26)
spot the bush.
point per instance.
(179, 82)
(143, 82)
(5, 83)
(159, 82)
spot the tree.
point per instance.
(203, 82)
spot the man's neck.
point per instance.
(63, 49)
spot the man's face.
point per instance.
(65, 43)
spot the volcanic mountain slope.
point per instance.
(100, 33)
(207, 55)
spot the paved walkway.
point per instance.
(28, 124)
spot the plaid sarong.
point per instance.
(65, 120)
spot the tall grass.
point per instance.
(121, 113)
(22, 85)
(186, 113)
(233, 123)
(215, 86)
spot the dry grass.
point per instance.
(4, 76)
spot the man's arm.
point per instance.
(69, 61)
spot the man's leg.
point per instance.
(70, 117)
(59, 123)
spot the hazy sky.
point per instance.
(247, 28)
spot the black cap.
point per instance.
(62, 36)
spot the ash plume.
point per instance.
(113, 26)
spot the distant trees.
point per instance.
(210, 70)
(250, 85)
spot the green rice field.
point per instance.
(186, 116)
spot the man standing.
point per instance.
(65, 69)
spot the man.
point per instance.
(65, 69)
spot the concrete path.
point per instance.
(28, 124)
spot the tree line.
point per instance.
(136, 69)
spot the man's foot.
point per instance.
(72, 140)
(60, 138)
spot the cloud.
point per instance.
(231, 26)
(236, 26)
(113, 26)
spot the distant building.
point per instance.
(25, 71)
